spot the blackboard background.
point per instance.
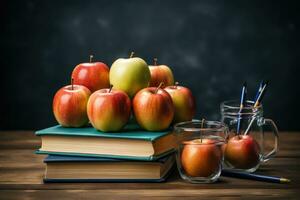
(212, 47)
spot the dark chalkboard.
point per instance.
(212, 47)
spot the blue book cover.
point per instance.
(62, 158)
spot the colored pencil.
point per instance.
(261, 84)
(257, 177)
(242, 104)
(256, 104)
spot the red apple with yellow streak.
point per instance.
(201, 157)
(109, 109)
(242, 151)
(184, 102)
(93, 75)
(153, 108)
(69, 105)
(160, 73)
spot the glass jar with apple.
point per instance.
(254, 144)
(199, 152)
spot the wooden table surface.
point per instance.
(21, 173)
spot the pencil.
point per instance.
(257, 177)
(256, 104)
(242, 104)
(261, 95)
(259, 89)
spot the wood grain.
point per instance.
(21, 172)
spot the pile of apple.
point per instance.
(108, 97)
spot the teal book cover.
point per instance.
(130, 131)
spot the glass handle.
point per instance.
(272, 153)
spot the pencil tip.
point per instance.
(285, 180)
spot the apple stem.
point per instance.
(91, 58)
(161, 84)
(131, 54)
(110, 88)
(72, 83)
(176, 84)
(202, 125)
(155, 61)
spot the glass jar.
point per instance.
(246, 150)
(199, 153)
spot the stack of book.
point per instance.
(87, 155)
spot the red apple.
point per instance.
(109, 109)
(160, 73)
(201, 158)
(184, 103)
(93, 75)
(69, 105)
(242, 151)
(153, 108)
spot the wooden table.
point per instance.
(21, 173)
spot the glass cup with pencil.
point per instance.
(246, 147)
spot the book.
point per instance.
(132, 143)
(96, 169)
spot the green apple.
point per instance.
(129, 75)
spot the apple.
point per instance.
(93, 75)
(184, 102)
(201, 157)
(153, 108)
(69, 105)
(160, 73)
(242, 151)
(129, 75)
(109, 109)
